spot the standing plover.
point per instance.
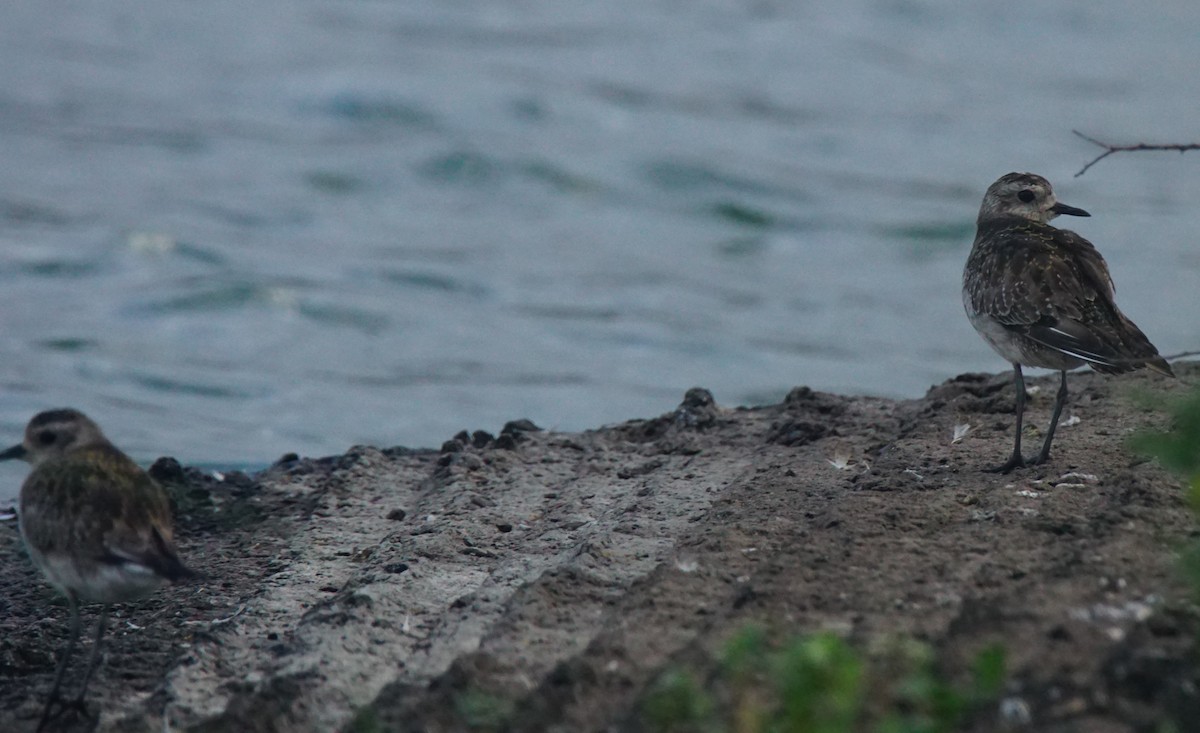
(95, 524)
(1042, 296)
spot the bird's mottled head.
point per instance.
(1023, 195)
(53, 433)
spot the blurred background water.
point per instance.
(235, 229)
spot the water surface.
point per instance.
(232, 229)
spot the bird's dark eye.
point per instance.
(46, 437)
(1025, 195)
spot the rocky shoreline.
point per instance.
(562, 572)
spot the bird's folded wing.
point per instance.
(1074, 339)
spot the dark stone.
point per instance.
(697, 398)
(515, 427)
(743, 595)
(239, 480)
(167, 470)
(505, 442)
(798, 395)
(1059, 633)
(641, 470)
(797, 432)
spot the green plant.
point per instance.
(365, 721)
(482, 710)
(929, 704)
(1178, 450)
(677, 704)
(819, 683)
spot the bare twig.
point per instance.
(1110, 149)
(1181, 355)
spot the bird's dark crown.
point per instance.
(49, 417)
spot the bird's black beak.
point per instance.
(17, 451)
(1068, 210)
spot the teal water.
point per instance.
(231, 230)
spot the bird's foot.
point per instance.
(1016, 461)
(63, 714)
(1019, 461)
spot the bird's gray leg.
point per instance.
(93, 658)
(1015, 461)
(1058, 406)
(72, 638)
